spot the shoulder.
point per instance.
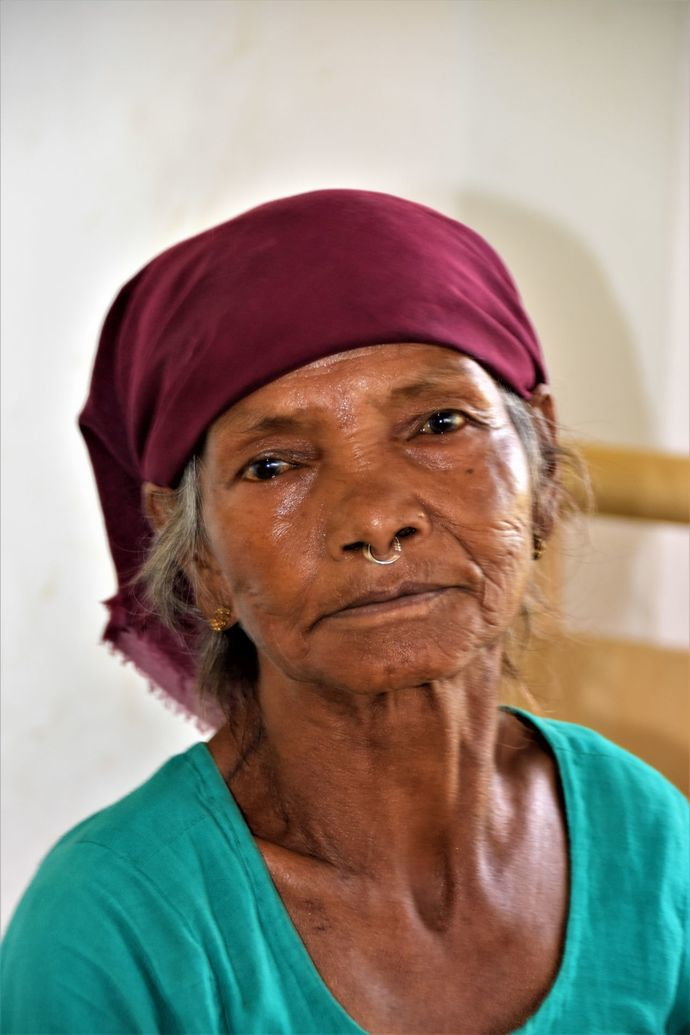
(133, 849)
(159, 810)
(119, 848)
(598, 760)
(629, 833)
(608, 766)
(622, 812)
(105, 914)
(613, 791)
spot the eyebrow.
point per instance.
(422, 386)
(271, 423)
(284, 422)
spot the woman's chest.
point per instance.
(487, 972)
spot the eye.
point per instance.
(443, 421)
(265, 469)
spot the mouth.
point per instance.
(407, 595)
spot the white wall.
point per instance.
(557, 129)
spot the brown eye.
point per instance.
(265, 468)
(443, 421)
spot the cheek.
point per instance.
(492, 521)
(505, 572)
(264, 566)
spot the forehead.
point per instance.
(374, 372)
(383, 359)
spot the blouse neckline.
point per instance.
(280, 924)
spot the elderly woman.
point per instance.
(328, 464)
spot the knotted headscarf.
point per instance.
(221, 314)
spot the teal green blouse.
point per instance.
(158, 915)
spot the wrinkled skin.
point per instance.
(407, 823)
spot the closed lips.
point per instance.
(405, 589)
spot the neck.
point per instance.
(390, 786)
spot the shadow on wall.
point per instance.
(601, 680)
(589, 345)
(592, 358)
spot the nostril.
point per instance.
(360, 544)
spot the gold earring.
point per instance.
(220, 620)
(538, 545)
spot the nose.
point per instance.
(374, 513)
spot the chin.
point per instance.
(406, 665)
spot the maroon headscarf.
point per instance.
(213, 318)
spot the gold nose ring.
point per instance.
(384, 560)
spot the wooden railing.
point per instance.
(634, 483)
(634, 693)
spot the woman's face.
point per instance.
(407, 440)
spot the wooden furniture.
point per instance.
(637, 694)
(637, 484)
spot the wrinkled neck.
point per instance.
(393, 785)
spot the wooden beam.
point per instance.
(635, 483)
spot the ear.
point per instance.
(547, 491)
(202, 572)
(541, 401)
(211, 590)
(158, 503)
